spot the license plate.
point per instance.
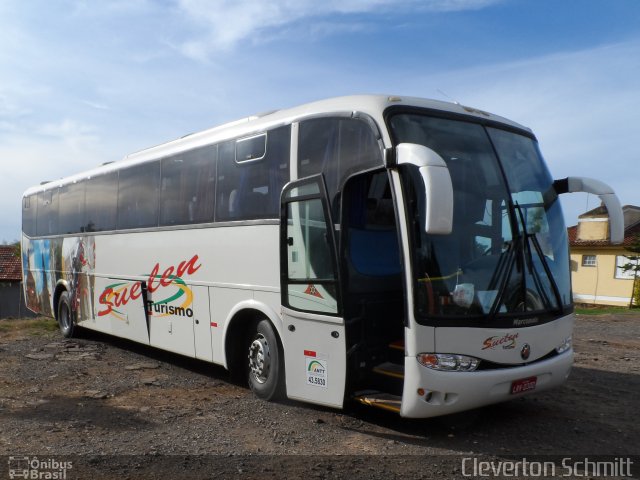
(523, 385)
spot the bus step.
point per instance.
(397, 345)
(385, 401)
(390, 370)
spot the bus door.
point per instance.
(313, 336)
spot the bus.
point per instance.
(404, 253)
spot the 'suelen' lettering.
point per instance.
(110, 298)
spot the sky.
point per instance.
(83, 82)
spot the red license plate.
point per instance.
(523, 385)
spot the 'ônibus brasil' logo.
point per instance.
(171, 280)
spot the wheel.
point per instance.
(266, 363)
(65, 316)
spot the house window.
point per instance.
(588, 260)
(621, 261)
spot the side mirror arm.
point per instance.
(607, 196)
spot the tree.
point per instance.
(633, 265)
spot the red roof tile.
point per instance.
(10, 268)
(630, 234)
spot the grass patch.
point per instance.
(30, 326)
(605, 310)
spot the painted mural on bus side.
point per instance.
(47, 261)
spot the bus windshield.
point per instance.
(506, 259)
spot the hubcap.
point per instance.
(259, 359)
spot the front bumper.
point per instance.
(450, 392)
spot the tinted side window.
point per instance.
(188, 187)
(71, 211)
(251, 189)
(337, 147)
(251, 148)
(47, 218)
(138, 196)
(29, 206)
(101, 202)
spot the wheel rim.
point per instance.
(259, 359)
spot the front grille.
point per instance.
(487, 365)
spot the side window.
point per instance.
(29, 215)
(251, 148)
(336, 147)
(138, 196)
(47, 218)
(251, 174)
(188, 187)
(71, 211)
(101, 203)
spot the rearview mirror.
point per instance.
(437, 185)
(606, 194)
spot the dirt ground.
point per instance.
(116, 409)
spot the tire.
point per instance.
(65, 317)
(265, 363)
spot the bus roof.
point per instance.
(371, 105)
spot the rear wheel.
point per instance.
(265, 363)
(65, 316)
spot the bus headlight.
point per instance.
(565, 345)
(448, 362)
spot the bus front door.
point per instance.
(313, 336)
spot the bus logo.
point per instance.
(507, 342)
(119, 294)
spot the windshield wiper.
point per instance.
(547, 270)
(531, 237)
(502, 273)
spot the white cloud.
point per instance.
(77, 137)
(96, 105)
(16, 101)
(99, 9)
(226, 23)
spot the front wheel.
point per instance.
(266, 363)
(65, 316)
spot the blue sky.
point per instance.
(83, 82)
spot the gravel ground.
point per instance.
(121, 410)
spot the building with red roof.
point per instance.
(11, 297)
(10, 269)
(596, 265)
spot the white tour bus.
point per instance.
(406, 253)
